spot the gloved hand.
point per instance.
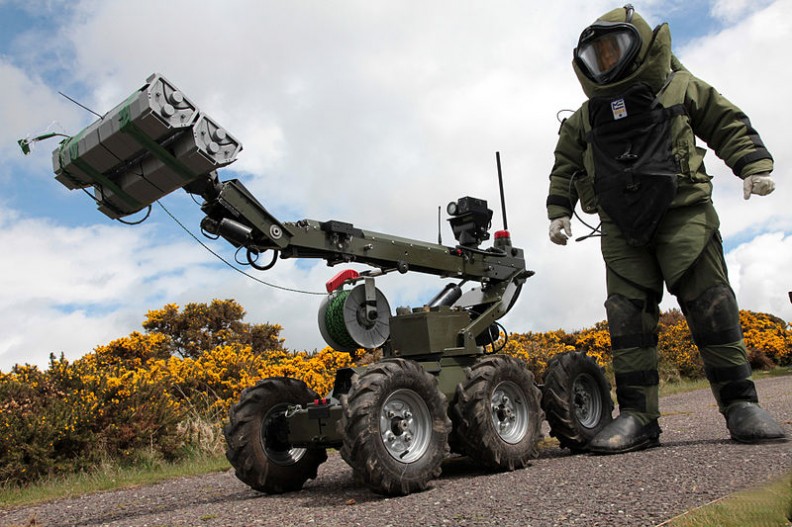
(560, 230)
(760, 184)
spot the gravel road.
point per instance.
(696, 464)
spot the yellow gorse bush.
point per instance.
(104, 406)
(767, 334)
(596, 342)
(225, 371)
(536, 349)
(141, 392)
(676, 347)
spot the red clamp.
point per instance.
(339, 279)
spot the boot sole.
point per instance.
(761, 440)
(648, 443)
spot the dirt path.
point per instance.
(696, 464)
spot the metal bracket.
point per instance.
(371, 299)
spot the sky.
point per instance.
(369, 112)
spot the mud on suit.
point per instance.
(629, 154)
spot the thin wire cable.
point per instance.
(595, 231)
(492, 343)
(81, 105)
(138, 222)
(101, 202)
(229, 264)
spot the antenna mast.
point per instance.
(502, 195)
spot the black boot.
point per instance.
(625, 434)
(749, 423)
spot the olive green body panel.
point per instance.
(315, 426)
(427, 332)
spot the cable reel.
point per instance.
(355, 318)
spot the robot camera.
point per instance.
(470, 220)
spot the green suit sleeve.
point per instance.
(569, 153)
(726, 130)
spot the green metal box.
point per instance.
(427, 331)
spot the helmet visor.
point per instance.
(605, 52)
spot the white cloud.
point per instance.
(373, 113)
(39, 330)
(758, 272)
(69, 289)
(745, 63)
(732, 11)
(29, 108)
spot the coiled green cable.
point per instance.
(334, 321)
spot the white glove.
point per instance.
(760, 184)
(560, 230)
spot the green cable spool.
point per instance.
(347, 321)
(334, 322)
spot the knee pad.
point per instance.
(714, 317)
(626, 323)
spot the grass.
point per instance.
(688, 385)
(108, 478)
(775, 372)
(769, 505)
(682, 386)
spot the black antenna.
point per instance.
(439, 228)
(502, 195)
(80, 105)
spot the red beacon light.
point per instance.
(502, 239)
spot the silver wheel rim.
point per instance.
(405, 425)
(509, 412)
(587, 400)
(286, 456)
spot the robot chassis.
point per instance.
(436, 389)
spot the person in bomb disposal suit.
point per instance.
(629, 154)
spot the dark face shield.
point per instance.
(605, 51)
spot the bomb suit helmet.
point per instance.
(609, 49)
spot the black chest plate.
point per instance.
(635, 170)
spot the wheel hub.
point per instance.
(405, 425)
(587, 401)
(509, 412)
(275, 438)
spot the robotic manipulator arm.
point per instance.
(157, 141)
